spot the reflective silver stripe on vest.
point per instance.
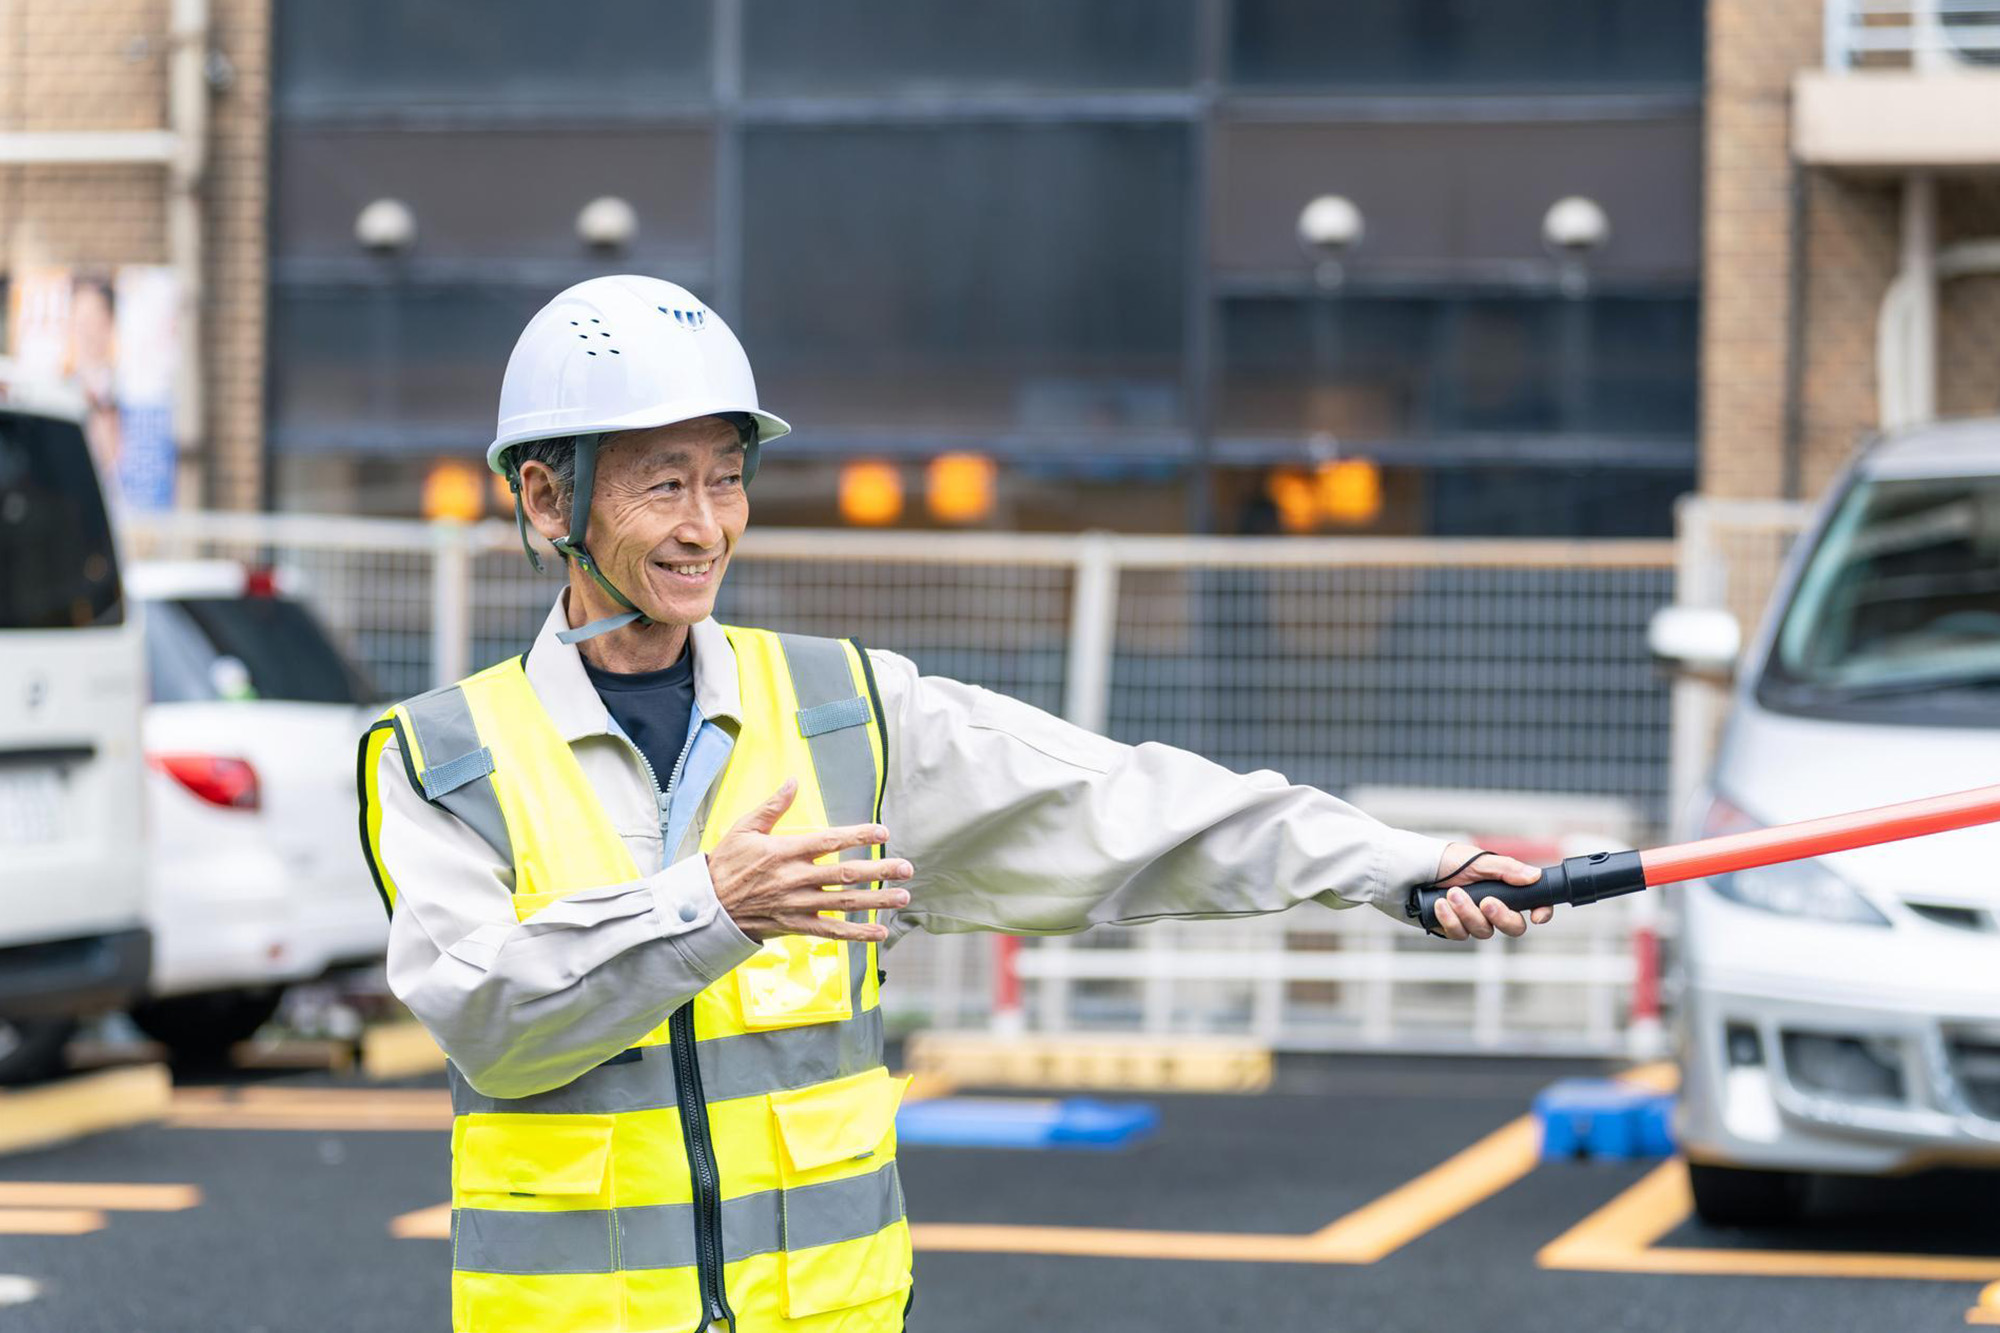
(490, 1240)
(453, 776)
(740, 1066)
(834, 720)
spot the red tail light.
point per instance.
(230, 783)
(260, 582)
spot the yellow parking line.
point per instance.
(433, 1223)
(89, 1194)
(1361, 1237)
(1623, 1235)
(1437, 1196)
(49, 1221)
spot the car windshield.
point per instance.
(201, 648)
(57, 566)
(1901, 598)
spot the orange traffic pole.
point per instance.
(1585, 879)
(1817, 837)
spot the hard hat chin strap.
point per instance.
(571, 547)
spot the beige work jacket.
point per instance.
(1014, 820)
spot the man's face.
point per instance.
(666, 513)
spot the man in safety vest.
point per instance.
(639, 875)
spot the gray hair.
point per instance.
(558, 455)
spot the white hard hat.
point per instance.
(623, 353)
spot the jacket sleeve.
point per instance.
(1015, 820)
(525, 1006)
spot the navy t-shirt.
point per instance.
(653, 709)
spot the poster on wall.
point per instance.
(114, 335)
(148, 337)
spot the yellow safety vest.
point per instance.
(739, 1161)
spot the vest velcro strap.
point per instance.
(453, 763)
(443, 779)
(835, 716)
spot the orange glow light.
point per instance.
(871, 494)
(959, 487)
(1350, 490)
(453, 491)
(1292, 492)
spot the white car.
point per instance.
(72, 927)
(250, 743)
(1842, 1015)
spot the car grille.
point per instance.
(1975, 1061)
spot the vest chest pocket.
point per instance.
(846, 1242)
(534, 1162)
(794, 980)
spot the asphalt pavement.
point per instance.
(296, 1189)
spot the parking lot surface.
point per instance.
(1359, 1193)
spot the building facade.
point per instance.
(1062, 236)
(1853, 173)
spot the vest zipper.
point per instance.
(687, 1089)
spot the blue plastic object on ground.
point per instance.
(1022, 1122)
(1601, 1117)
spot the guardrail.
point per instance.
(1919, 34)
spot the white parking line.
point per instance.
(17, 1290)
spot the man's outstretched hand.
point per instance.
(1460, 918)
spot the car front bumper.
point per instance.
(1807, 1083)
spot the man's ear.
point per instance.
(543, 500)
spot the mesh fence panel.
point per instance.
(1472, 677)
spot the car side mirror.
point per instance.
(1697, 640)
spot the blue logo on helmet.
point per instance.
(690, 319)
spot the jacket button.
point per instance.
(688, 912)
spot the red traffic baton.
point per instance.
(1586, 879)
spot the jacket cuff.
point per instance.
(1403, 860)
(687, 912)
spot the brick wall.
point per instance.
(1753, 47)
(102, 65)
(1851, 249)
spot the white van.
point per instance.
(72, 888)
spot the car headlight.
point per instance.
(1796, 888)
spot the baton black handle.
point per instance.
(1577, 880)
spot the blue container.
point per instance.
(1601, 1117)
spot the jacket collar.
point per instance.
(555, 670)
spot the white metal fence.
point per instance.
(1447, 667)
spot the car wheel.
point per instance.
(32, 1048)
(202, 1028)
(1727, 1196)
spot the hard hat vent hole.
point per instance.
(612, 350)
(603, 335)
(590, 354)
(584, 336)
(595, 321)
(572, 323)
